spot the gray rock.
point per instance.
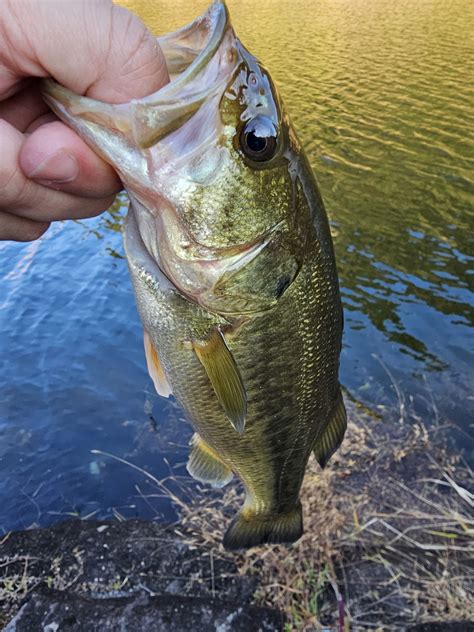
(132, 575)
(59, 611)
(97, 557)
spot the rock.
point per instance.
(58, 611)
(98, 557)
(94, 572)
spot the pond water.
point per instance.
(381, 94)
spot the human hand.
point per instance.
(93, 47)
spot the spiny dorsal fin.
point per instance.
(205, 465)
(154, 367)
(333, 434)
(224, 376)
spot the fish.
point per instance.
(230, 253)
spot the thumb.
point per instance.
(93, 47)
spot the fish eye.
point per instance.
(259, 139)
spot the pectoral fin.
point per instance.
(333, 434)
(154, 367)
(224, 376)
(205, 465)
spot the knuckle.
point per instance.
(138, 55)
(102, 204)
(107, 203)
(142, 59)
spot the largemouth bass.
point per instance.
(232, 262)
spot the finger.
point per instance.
(57, 206)
(16, 228)
(25, 198)
(108, 53)
(55, 156)
(24, 107)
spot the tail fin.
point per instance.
(245, 532)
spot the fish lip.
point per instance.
(217, 15)
(146, 114)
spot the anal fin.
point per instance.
(154, 367)
(205, 465)
(333, 434)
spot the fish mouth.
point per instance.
(199, 54)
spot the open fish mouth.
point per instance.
(198, 57)
(189, 49)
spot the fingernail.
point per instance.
(58, 168)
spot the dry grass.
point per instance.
(18, 579)
(389, 534)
